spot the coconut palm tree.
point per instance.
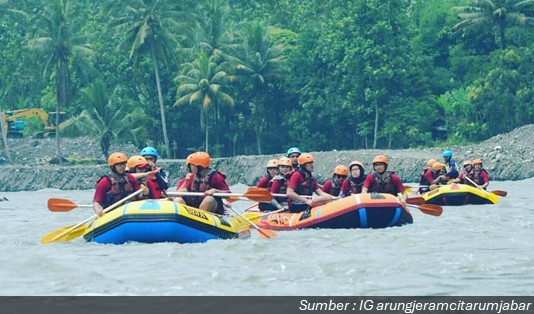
(150, 27)
(106, 119)
(55, 37)
(203, 84)
(498, 13)
(260, 63)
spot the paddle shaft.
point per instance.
(264, 233)
(223, 195)
(107, 209)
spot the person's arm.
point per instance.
(99, 197)
(485, 178)
(219, 186)
(294, 182)
(367, 183)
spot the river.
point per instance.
(469, 250)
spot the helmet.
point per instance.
(135, 161)
(305, 158)
(293, 150)
(284, 161)
(341, 170)
(430, 162)
(467, 163)
(116, 158)
(149, 151)
(477, 161)
(380, 159)
(356, 163)
(273, 163)
(438, 166)
(447, 153)
(201, 159)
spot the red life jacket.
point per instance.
(306, 187)
(476, 176)
(283, 182)
(356, 185)
(119, 189)
(383, 184)
(201, 185)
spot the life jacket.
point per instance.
(336, 187)
(422, 179)
(201, 185)
(356, 185)
(383, 184)
(306, 187)
(120, 188)
(284, 180)
(476, 176)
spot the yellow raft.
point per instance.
(459, 194)
(151, 221)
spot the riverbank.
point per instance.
(506, 157)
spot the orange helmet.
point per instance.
(438, 166)
(341, 170)
(273, 163)
(430, 162)
(305, 158)
(136, 161)
(116, 158)
(477, 161)
(467, 163)
(199, 159)
(380, 159)
(356, 163)
(284, 161)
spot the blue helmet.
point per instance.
(149, 151)
(293, 150)
(447, 153)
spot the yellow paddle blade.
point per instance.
(64, 234)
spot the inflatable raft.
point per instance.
(459, 194)
(356, 211)
(151, 221)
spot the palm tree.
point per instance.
(55, 37)
(499, 13)
(261, 62)
(203, 84)
(106, 119)
(211, 34)
(150, 27)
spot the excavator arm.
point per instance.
(10, 119)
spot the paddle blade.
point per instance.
(430, 209)
(499, 192)
(258, 195)
(415, 200)
(266, 234)
(61, 205)
(64, 234)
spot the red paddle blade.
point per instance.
(61, 205)
(499, 192)
(430, 209)
(258, 195)
(266, 234)
(415, 200)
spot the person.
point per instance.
(468, 168)
(450, 165)
(479, 175)
(434, 177)
(382, 180)
(203, 179)
(116, 185)
(280, 182)
(162, 176)
(293, 153)
(423, 182)
(333, 185)
(301, 186)
(138, 165)
(266, 182)
(354, 183)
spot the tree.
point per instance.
(107, 119)
(497, 13)
(150, 27)
(203, 84)
(55, 37)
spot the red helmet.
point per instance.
(305, 158)
(199, 159)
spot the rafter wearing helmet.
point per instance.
(383, 181)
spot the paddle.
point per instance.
(252, 193)
(429, 209)
(417, 200)
(63, 205)
(70, 232)
(496, 192)
(264, 233)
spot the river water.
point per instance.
(469, 250)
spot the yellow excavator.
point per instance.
(13, 121)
